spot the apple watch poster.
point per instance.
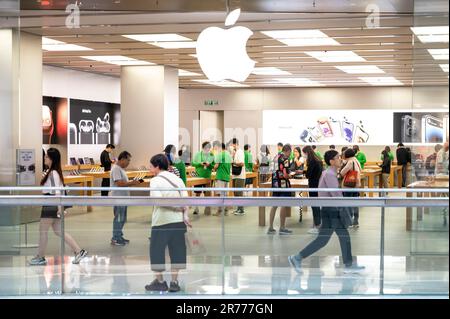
(94, 122)
(54, 120)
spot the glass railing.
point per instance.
(402, 243)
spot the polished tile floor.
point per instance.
(415, 263)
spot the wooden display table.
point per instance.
(67, 168)
(295, 183)
(371, 174)
(394, 169)
(130, 174)
(85, 181)
(420, 210)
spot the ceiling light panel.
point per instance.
(222, 83)
(164, 37)
(360, 69)
(175, 45)
(386, 80)
(269, 71)
(439, 54)
(187, 73)
(335, 56)
(301, 37)
(299, 82)
(116, 59)
(55, 45)
(444, 67)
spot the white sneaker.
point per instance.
(353, 269)
(38, 261)
(313, 230)
(79, 256)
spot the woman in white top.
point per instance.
(352, 164)
(168, 226)
(50, 215)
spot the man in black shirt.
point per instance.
(403, 158)
(106, 162)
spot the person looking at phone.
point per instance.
(120, 179)
(360, 156)
(204, 163)
(106, 162)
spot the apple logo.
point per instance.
(221, 53)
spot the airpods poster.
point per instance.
(325, 127)
(93, 123)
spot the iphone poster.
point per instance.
(325, 127)
(420, 127)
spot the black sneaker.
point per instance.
(155, 285)
(126, 241)
(174, 287)
(115, 242)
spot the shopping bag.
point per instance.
(195, 244)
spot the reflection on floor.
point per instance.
(256, 263)
(247, 275)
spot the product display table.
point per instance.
(421, 210)
(85, 181)
(130, 174)
(371, 174)
(394, 169)
(295, 183)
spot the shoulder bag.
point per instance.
(351, 178)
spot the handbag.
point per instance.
(351, 178)
(236, 170)
(345, 216)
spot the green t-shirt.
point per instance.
(391, 156)
(361, 157)
(224, 170)
(248, 161)
(181, 167)
(319, 155)
(199, 159)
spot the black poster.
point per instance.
(54, 120)
(94, 122)
(420, 127)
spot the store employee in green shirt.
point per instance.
(204, 163)
(222, 166)
(318, 154)
(389, 152)
(360, 156)
(248, 162)
(171, 153)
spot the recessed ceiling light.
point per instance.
(386, 80)
(301, 37)
(439, 54)
(444, 67)
(187, 73)
(360, 69)
(335, 56)
(269, 71)
(175, 45)
(163, 37)
(222, 83)
(55, 45)
(431, 34)
(299, 82)
(117, 59)
(433, 38)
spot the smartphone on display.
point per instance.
(80, 160)
(432, 129)
(325, 128)
(306, 137)
(410, 129)
(73, 161)
(316, 133)
(361, 136)
(335, 127)
(347, 130)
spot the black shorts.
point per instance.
(173, 237)
(249, 181)
(49, 212)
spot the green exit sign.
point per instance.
(211, 102)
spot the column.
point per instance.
(149, 111)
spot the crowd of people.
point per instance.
(231, 162)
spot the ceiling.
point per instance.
(389, 47)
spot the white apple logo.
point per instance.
(222, 53)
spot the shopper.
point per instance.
(106, 162)
(442, 159)
(430, 162)
(222, 166)
(170, 151)
(352, 167)
(280, 179)
(390, 154)
(185, 154)
(168, 227)
(316, 151)
(343, 149)
(204, 163)
(248, 161)
(403, 157)
(331, 222)
(360, 156)
(50, 215)
(298, 163)
(263, 162)
(119, 178)
(314, 168)
(385, 168)
(279, 147)
(238, 172)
